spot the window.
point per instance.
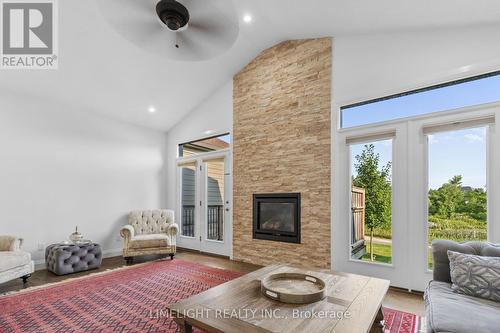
(467, 92)
(204, 145)
(371, 201)
(441, 173)
(457, 196)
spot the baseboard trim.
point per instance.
(40, 263)
(183, 249)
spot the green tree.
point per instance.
(476, 204)
(448, 200)
(376, 180)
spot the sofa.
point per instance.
(14, 263)
(449, 311)
(149, 232)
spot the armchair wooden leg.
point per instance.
(25, 278)
(172, 256)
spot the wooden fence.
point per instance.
(358, 221)
(358, 214)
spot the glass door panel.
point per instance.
(188, 199)
(216, 190)
(215, 187)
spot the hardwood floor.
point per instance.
(395, 298)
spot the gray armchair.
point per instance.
(449, 311)
(14, 263)
(149, 232)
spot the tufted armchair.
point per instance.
(149, 232)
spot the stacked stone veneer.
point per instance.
(282, 143)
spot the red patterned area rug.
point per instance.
(131, 299)
(403, 322)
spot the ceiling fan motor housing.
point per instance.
(173, 14)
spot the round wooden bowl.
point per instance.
(294, 288)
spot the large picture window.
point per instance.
(448, 96)
(400, 185)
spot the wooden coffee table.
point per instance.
(353, 304)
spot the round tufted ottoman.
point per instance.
(64, 259)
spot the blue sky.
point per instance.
(481, 91)
(226, 138)
(458, 153)
(450, 153)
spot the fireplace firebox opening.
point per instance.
(276, 217)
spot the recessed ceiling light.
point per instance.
(247, 18)
(152, 109)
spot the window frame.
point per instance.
(367, 138)
(410, 169)
(180, 146)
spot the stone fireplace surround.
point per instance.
(282, 144)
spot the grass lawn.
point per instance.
(383, 254)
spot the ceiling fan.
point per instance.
(186, 30)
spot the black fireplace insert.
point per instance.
(276, 217)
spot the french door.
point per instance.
(204, 201)
(401, 184)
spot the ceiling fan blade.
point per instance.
(207, 27)
(129, 8)
(213, 26)
(141, 32)
(211, 12)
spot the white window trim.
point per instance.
(412, 118)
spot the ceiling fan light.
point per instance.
(173, 14)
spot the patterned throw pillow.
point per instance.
(475, 275)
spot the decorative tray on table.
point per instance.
(295, 288)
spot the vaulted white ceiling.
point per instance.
(101, 72)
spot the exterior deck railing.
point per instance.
(215, 222)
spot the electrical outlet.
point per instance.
(41, 247)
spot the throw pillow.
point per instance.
(475, 275)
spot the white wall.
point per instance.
(60, 167)
(214, 116)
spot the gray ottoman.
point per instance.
(64, 259)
